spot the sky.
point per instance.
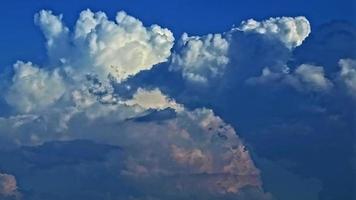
(153, 100)
(194, 17)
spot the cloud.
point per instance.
(195, 143)
(79, 95)
(348, 74)
(291, 31)
(75, 97)
(83, 64)
(233, 56)
(305, 78)
(33, 88)
(119, 48)
(8, 186)
(153, 99)
(201, 58)
(287, 91)
(52, 27)
(313, 77)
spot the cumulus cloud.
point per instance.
(153, 99)
(52, 27)
(196, 142)
(290, 30)
(33, 88)
(239, 53)
(194, 152)
(300, 94)
(8, 186)
(305, 78)
(83, 65)
(313, 77)
(201, 58)
(119, 48)
(348, 74)
(75, 97)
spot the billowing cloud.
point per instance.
(288, 91)
(33, 88)
(201, 58)
(52, 27)
(75, 97)
(291, 31)
(78, 95)
(119, 48)
(240, 52)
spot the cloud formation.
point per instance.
(153, 99)
(305, 78)
(348, 74)
(291, 31)
(201, 58)
(119, 48)
(33, 88)
(253, 75)
(240, 51)
(75, 97)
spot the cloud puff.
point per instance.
(153, 99)
(8, 186)
(52, 27)
(201, 58)
(348, 74)
(33, 88)
(305, 78)
(313, 77)
(291, 31)
(119, 48)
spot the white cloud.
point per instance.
(201, 58)
(34, 88)
(51, 26)
(77, 80)
(305, 78)
(120, 48)
(291, 31)
(153, 99)
(312, 77)
(348, 74)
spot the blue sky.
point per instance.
(177, 100)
